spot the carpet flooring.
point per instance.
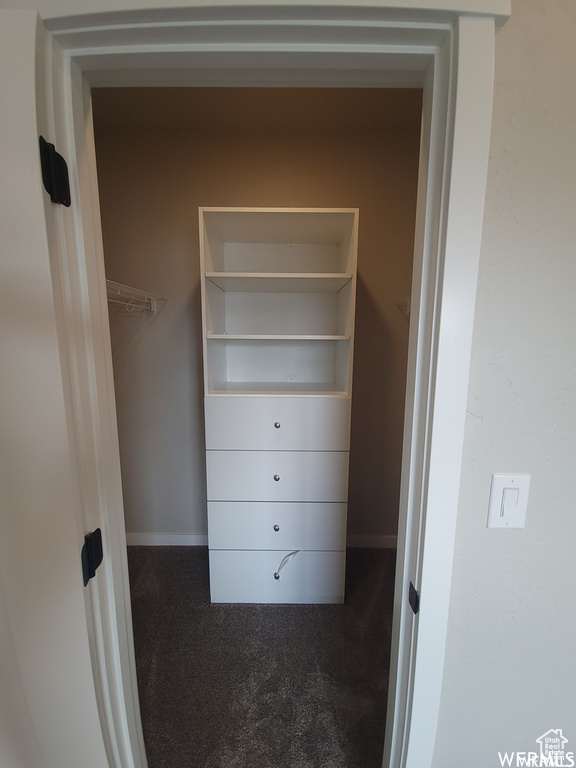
(260, 686)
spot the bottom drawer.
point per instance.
(244, 576)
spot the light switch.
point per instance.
(508, 501)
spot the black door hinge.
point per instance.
(92, 554)
(54, 174)
(414, 598)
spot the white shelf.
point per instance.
(278, 291)
(275, 337)
(281, 364)
(279, 282)
(277, 313)
(278, 240)
(278, 294)
(278, 388)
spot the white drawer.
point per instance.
(248, 577)
(276, 525)
(277, 475)
(304, 423)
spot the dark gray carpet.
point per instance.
(255, 686)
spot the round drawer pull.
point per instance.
(277, 424)
(276, 477)
(276, 576)
(276, 528)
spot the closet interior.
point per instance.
(176, 165)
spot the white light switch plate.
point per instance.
(508, 501)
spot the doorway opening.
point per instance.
(161, 153)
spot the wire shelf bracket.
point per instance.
(133, 298)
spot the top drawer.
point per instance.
(277, 423)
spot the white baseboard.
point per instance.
(201, 540)
(167, 539)
(372, 542)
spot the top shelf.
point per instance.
(277, 282)
(295, 241)
(279, 225)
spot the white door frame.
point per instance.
(451, 56)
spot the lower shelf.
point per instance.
(277, 365)
(278, 388)
(242, 576)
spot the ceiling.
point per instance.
(258, 109)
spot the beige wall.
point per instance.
(151, 184)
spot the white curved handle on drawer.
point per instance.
(285, 560)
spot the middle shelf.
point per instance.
(269, 307)
(280, 281)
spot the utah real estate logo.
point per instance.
(552, 754)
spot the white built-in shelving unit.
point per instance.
(278, 292)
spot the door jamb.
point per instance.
(458, 90)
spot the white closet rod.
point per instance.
(133, 298)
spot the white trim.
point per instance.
(431, 495)
(201, 540)
(81, 12)
(83, 307)
(435, 141)
(167, 539)
(372, 542)
(464, 206)
(342, 48)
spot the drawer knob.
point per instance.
(276, 528)
(276, 477)
(277, 424)
(276, 576)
